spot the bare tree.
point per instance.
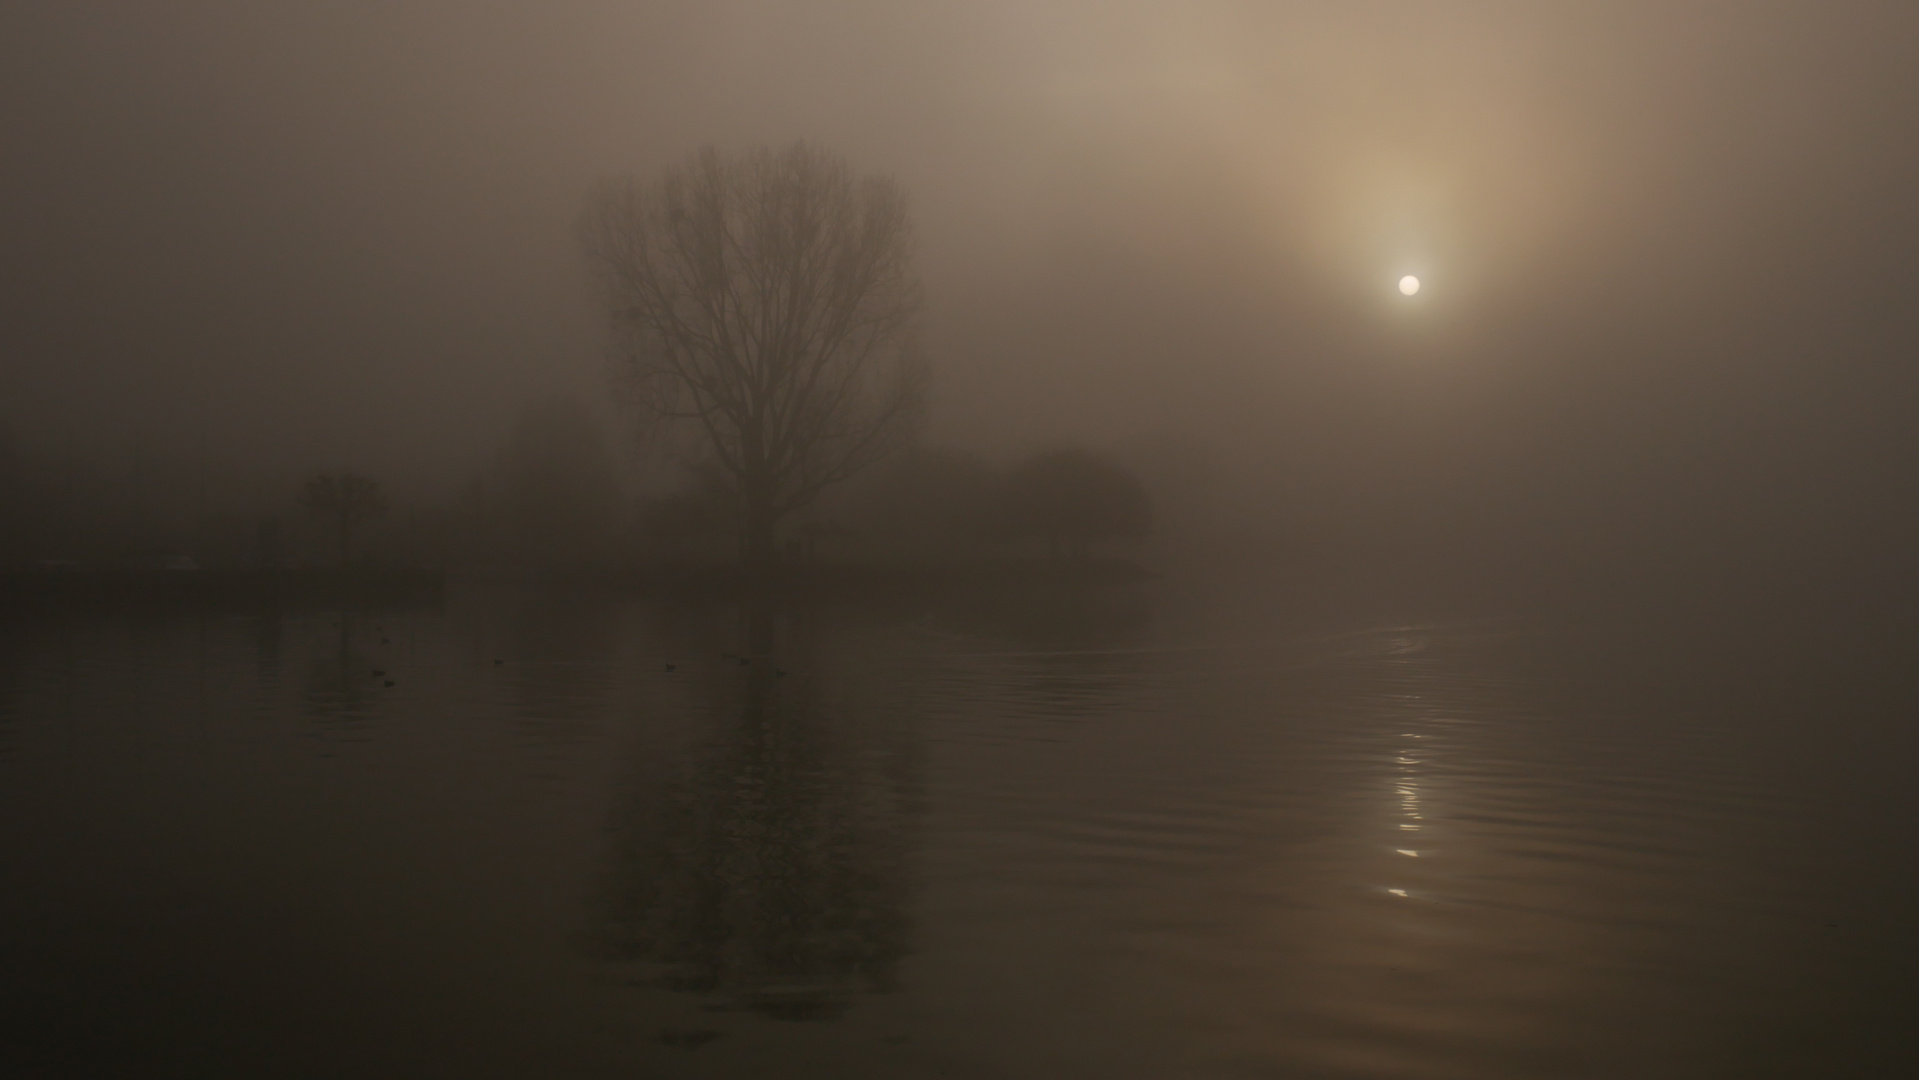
(765, 308)
(346, 500)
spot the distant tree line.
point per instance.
(765, 312)
(927, 504)
(765, 309)
(556, 496)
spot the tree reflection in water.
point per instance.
(340, 684)
(767, 867)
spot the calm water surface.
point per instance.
(1164, 833)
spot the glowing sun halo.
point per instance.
(1409, 285)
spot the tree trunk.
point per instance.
(760, 550)
(760, 625)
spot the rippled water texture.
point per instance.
(1136, 834)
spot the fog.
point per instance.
(884, 538)
(1666, 248)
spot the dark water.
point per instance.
(1164, 833)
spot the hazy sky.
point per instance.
(1668, 248)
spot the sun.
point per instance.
(1409, 285)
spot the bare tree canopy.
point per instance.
(765, 306)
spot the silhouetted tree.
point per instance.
(344, 500)
(765, 306)
(1074, 497)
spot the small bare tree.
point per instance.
(344, 500)
(764, 305)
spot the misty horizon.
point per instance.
(1330, 538)
(1655, 250)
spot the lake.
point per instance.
(1179, 829)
